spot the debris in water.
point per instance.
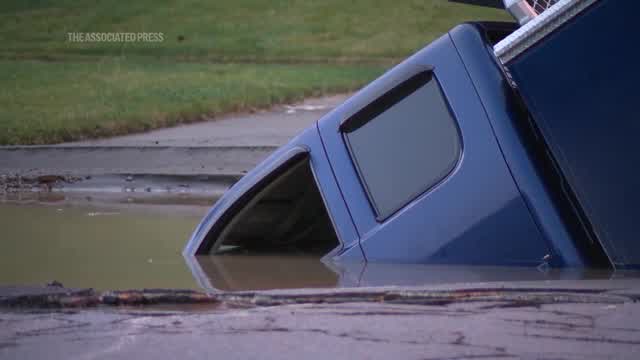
(102, 213)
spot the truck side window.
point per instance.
(404, 143)
(285, 214)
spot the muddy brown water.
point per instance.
(135, 244)
(98, 247)
(131, 243)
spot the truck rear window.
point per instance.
(406, 146)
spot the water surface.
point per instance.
(106, 247)
(137, 243)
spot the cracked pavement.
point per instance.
(298, 324)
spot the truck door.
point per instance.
(421, 172)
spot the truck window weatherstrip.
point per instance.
(386, 101)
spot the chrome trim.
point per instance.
(520, 10)
(542, 25)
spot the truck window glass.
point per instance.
(407, 148)
(286, 215)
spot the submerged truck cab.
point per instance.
(442, 160)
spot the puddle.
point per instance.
(118, 245)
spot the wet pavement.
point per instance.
(596, 320)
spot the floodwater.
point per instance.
(110, 243)
(105, 247)
(137, 243)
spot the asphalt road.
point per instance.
(558, 325)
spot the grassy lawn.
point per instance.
(216, 56)
(59, 101)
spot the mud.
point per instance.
(16, 182)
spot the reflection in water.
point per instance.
(409, 275)
(261, 272)
(241, 272)
(128, 246)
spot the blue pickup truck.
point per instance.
(497, 144)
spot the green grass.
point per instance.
(238, 30)
(55, 102)
(217, 56)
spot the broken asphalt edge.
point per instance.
(493, 296)
(200, 169)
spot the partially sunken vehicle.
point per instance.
(497, 144)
